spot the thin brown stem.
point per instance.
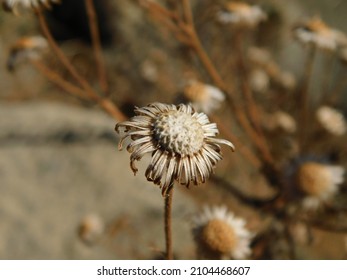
(58, 80)
(326, 76)
(185, 32)
(109, 107)
(187, 12)
(167, 221)
(95, 35)
(304, 98)
(337, 90)
(251, 106)
(217, 79)
(106, 104)
(60, 54)
(247, 153)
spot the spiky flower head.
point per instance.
(315, 32)
(220, 235)
(241, 14)
(181, 142)
(205, 98)
(14, 5)
(319, 182)
(331, 120)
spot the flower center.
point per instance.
(218, 236)
(178, 133)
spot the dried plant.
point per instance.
(262, 109)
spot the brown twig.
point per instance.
(167, 221)
(106, 104)
(251, 106)
(58, 80)
(247, 153)
(185, 32)
(62, 57)
(95, 35)
(304, 98)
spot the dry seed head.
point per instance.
(241, 14)
(316, 32)
(26, 49)
(319, 182)
(219, 234)
(279, 120)
(331, 120)
(181, 142)
(259, 80)
(178, 133)
(205, 98)
(14, 5)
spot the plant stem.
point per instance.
(251, 105)
(106, 104)
(304, 98)
(55, 78)
(247, 153)
(167, 220)
(95, 35)
(62, 57)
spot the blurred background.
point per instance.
(60, 169)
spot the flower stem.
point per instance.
(95, 35)
(62, 57)
(167, 220)
(304, 98)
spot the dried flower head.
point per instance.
(91, 228)
(262, 59)
(241, 14)
(14, 5)
(319, 182)
(286, 80)
(316, 32)
(259, 56)
(219, 234)
(331, 120)
(180, 140)
(259, 80)
(205, 98)
(26, 49)
(279, 120)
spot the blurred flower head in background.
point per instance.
(205, 98)
(316, 33)
(220, 235)
(331, 120)
(15, 5)
(26, 49)
(241, 14)
(318, 182)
